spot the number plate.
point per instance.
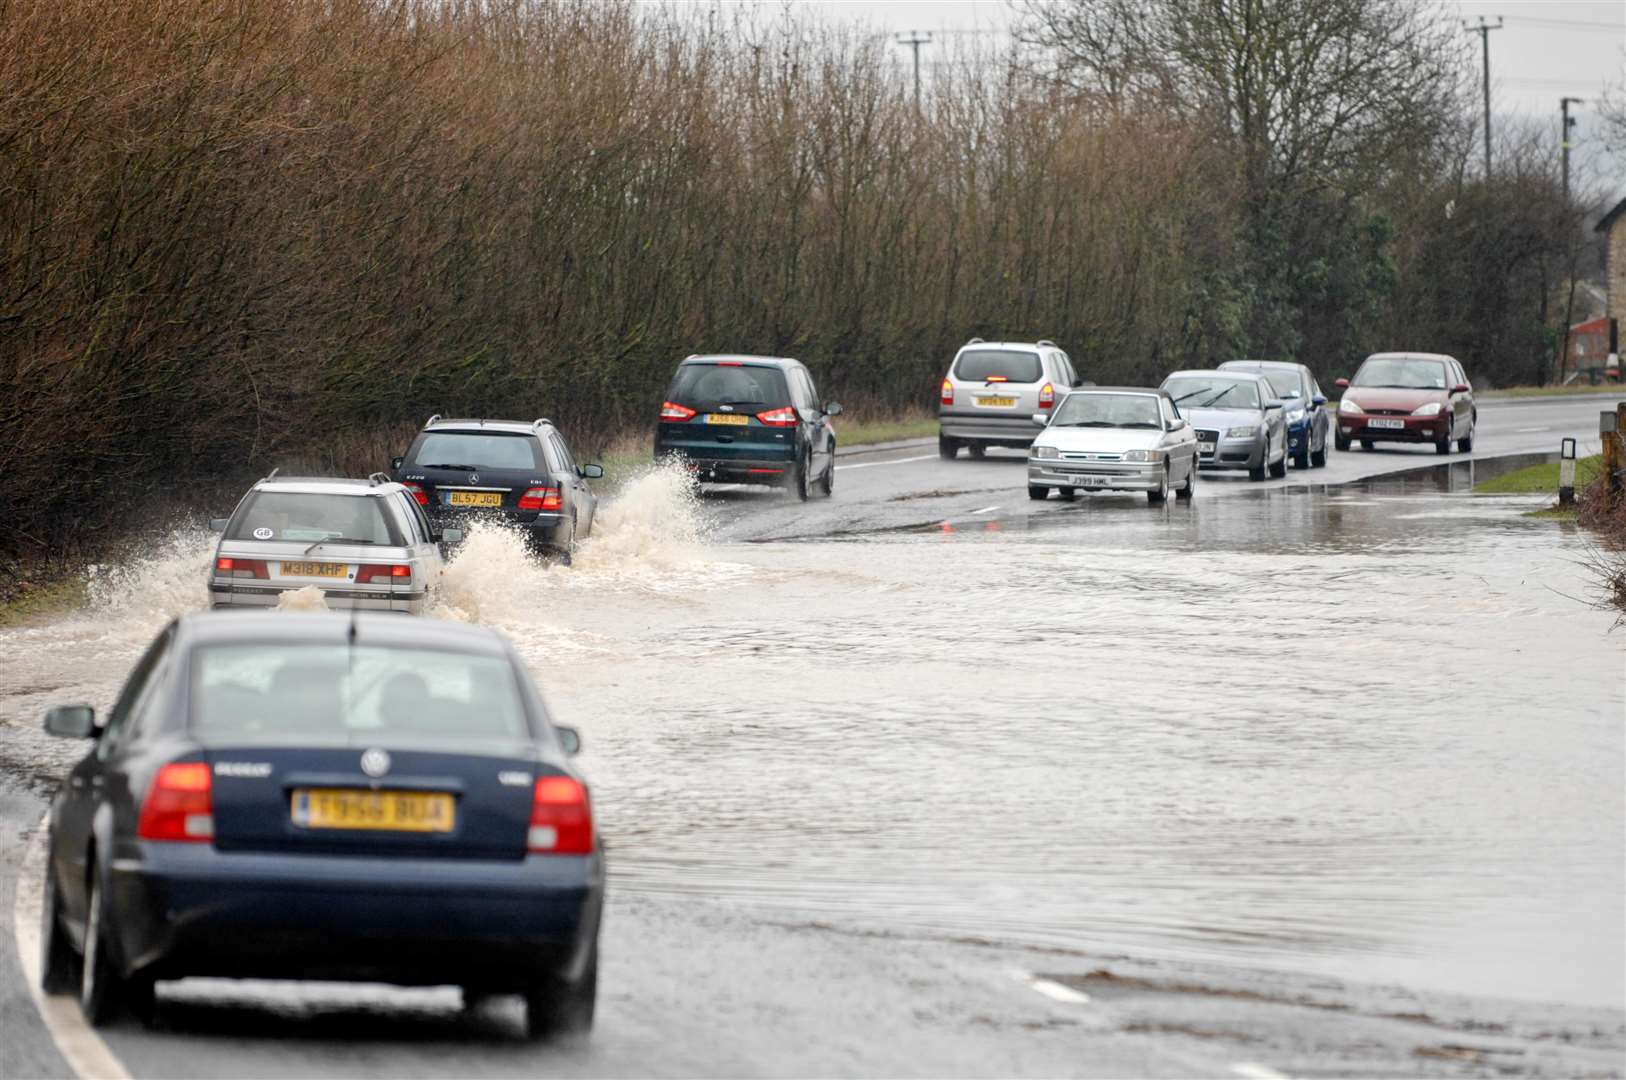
(474, 498)
(314, 569)
(1380, 423)
(1205, 448)
(1089, 481)
(996, 402)
(397, 811)
(727, 418)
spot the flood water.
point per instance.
(1374, 733)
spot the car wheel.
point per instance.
(1279, 469)
(1190, 487)
(799, 479)
(1339, 442)
(1318, 458)
(57, 974)
(1067, 494)
(947, 448)
(1038, 492)
(103, 992)
(1443, 446)
(827, 482)
(561, 1007)
(1302, 460)
(1162, 492)
(976, 450)
(1466, 443)
(1263, 470)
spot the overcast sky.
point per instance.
(1546, 50)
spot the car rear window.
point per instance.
(981, 365)
(476, 450)
(322, 690)
(312, 516)
(700, 386)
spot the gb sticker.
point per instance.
(263, 533)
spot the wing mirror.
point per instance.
(569, 738)
(833, 409)
(1177, 424)
(1460, 388)
(218, 524)
(592, 472)
(1042, 419)
(1342, 384)
(395, 463)
(1319, 400)
(1273, 404)
(71, 721)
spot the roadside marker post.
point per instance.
(1566, 473)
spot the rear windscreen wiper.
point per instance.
(443, 465)
(336, 540)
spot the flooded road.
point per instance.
(1367, 733)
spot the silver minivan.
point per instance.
(994, 388)
(366, 544)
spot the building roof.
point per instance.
(1609, 219)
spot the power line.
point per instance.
(915, 39)
(1564, 24)
(1483, 30)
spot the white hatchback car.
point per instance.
(1114, 439)
(365, 544)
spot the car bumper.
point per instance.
(411, 602)
(1300, 437)
(539, 522)
(1017, 431)
(1246, 453)
(731, 470)
(189, 909)
(1416, 429)
(1095, 475)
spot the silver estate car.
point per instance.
(365, 543)
(1114, 439)
(992, 390)
(1240, 424)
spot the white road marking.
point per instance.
(896, 461)
(1057, 992)
(986, 510)
(1251, 1071)
(80, 1046)
(1525, 430)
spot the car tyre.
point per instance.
(1190, 487)
(799, 479)
(976, 450)
(1161, 495)
(1340, 443)
(563, 1007)
(1279, 469)
(1302, 460)
(1444, 446)
(1038, 492)
(104, 994)
(1368, 444)
(58, 969)
(1466, 443)
(1261, 472)
(947, 448)
(1318, 458)
(827, 482)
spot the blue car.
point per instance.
(1309, 424)
(316, 796)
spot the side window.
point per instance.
(136, 697)
(404, 505)
(418, 515)
(562, 452)
(813, 401)
(801, 393)
(551, 455)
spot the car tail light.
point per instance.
(948, 393)
(997, 378)
(396, 572)
(765, 472)
(730, 363)
(541, 498)
(243, 568)
(180, 804)
(785, 417)
(1047, 396)
(418, 493)
(672, 413)
(561, 818)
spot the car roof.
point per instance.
(1028, 346)
(333, 629)
(466, 424)
(1232, 374)
(326, 485)
(1274, 365)
(1158, 391)
(1408, 356)
(743, 358)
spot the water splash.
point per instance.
(132, 599)
(310, 598)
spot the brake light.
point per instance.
(417, 493)
(561, 818)
(180, 804)
(730, 363)
(1047, 396)
(397, 572)
(243, 568)
(997, 378)
(948, 393)
(785, 417)
(541, 498)
(672, 413)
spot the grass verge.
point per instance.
(29, 603)
(1539, 479)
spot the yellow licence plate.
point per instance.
(475, 498)
(727, 418)
(1000, 402)
(314, 569)
(399, 811)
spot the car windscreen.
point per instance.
(1286, 384)
(998, 365)
(1213, 392)
(368, 691)
(1401, 373)
(308, 517)
(705, 386)
(1109, 410)
(476, 450)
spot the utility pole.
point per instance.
(1564, 104)
(1483, 30)
(915, 39)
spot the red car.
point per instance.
(1407, 397)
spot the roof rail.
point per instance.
(377, 478)
(539, 421)
(272, 475)
(692, 356)
(431, 420)
(1047, 341)
(975, 341)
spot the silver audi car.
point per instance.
(1239, 422)
(1114, 439)
(365, 544)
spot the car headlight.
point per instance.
(1347, 406)
(1431, 409)
(1143, 455)
(1295, 416)
(1242, 432)
(1045, 452)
